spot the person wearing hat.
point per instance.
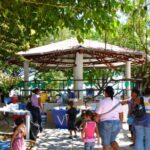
(110, 116)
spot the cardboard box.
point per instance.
(50, 120)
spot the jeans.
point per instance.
(89, 146)
(142, 141)
(109, 130)
(36, 115)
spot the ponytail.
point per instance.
(110, 91)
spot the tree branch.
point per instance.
(47, 4)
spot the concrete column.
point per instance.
(78, 74)
(128, 76)
(26, 77)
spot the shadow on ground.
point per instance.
(58, 139)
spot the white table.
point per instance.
(49, 106)
(21, 112)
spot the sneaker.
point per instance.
(75, 136)
(131, 145)
(70, 137)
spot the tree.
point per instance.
(7, 82)
(24, 23)
(100, 78)
(135, 34)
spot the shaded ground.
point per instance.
(57, 139)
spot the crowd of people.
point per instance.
(104, 123)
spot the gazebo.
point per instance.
(72, 54)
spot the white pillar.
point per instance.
(26, 77)
(128, 76)
(28, 125)
(78, 74)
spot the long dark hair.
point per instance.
(110, 91)
(147, 91)
(89, 114)
(35, 90)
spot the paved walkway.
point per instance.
(57, 139)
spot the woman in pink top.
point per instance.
(109, 124)
(89, 129)
(36, 107)
(18, 142)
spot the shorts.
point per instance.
(71, 125)
(89, 146)
(108, 131)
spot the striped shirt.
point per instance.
(147, 109)
(145, 120)
(147, 104)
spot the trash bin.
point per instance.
(60, 117)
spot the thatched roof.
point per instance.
(96, 54)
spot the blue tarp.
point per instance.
(4, 145)
(60, 118)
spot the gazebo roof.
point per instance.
(95, 54)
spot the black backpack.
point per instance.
(139, 110)
(29, 106)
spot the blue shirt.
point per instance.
(71, 95)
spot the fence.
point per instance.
(90, 88)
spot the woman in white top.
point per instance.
(109, 124)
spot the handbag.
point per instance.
(130, 120)
(139, 110)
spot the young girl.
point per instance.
(88, 131)
(18, 141)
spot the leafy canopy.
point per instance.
(25, 22)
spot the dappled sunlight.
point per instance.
(58, 139)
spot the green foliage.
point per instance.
(49, 79)
(50, 75)
(7, 83)
(101, 77)
(24, 23)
